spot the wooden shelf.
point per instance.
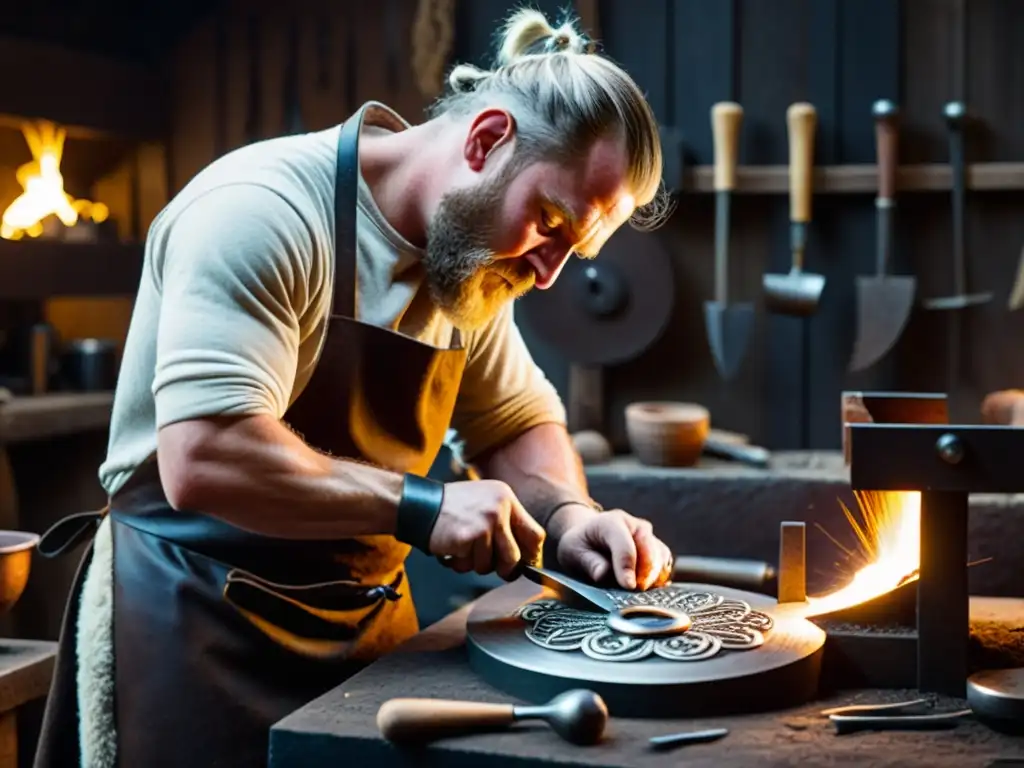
(861, 179)
(42, 269)
(45, 416)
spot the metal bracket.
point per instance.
(945, 463)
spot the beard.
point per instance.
(466, 280)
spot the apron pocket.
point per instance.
(323, 620)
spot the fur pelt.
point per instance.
(94, 648)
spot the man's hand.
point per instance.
(615, 540)
(483, 527)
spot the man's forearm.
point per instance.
(544, 470)
(256, 474)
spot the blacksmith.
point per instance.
(315, 313)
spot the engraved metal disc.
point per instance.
(742, 651)
(712, 623)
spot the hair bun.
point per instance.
(465, 78)
(528, 32)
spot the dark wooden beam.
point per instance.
(82, 89)
(41, 269)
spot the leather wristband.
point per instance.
(418, 511)
(550, 512)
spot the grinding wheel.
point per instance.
(743, 652)
(606, 310)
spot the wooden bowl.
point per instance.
(15, 563)
(664, 434)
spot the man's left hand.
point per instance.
(618, 541)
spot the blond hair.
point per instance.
(564, 96)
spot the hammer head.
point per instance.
(796, 293)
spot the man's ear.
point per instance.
(490, 130)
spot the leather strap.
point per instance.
(67, 533)
(346, 195)
(346, 212)
(545, 518)
(418, 511)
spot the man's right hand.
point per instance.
(483, 527)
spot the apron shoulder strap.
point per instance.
(346, 192)
(346, 199)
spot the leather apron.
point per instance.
(219, 633)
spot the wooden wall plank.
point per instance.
(705, 69)
(773, 74)
(372, 52)
(408, 100)
(995, 78)
(702, 65)
(995, 230)
(818, 353)
(650, 65)
(237, 91)
(927, 79)
(192, 126)
(274, 22)
(625, 25)
(862, 59)
(344, 98)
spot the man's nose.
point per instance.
(547, 264)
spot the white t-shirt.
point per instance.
(232, 307)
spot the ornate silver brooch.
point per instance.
(718, 624)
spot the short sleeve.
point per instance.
(233, 276)
(503, 392)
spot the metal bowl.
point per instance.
(15, 564)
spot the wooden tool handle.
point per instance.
(801, 121)
(424, 719)
(726, 118)
(886, 147)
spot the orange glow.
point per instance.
(43, 186)
(888, 532)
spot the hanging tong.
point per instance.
(915, 715)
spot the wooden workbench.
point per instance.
(26, 668)
(339, 727)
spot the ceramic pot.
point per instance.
(16, 549)
(666, 434)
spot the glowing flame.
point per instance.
(44, 188)
(889, 534)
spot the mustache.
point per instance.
(518, 272)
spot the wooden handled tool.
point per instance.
(578, 716)
(753, 575)
(797, 292)
(728, 325)
(726, 119)
(884, 301)
(801, 122)
(955, 113)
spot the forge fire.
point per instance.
(43, 192)
(887, 526)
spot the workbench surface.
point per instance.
(339, 728)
